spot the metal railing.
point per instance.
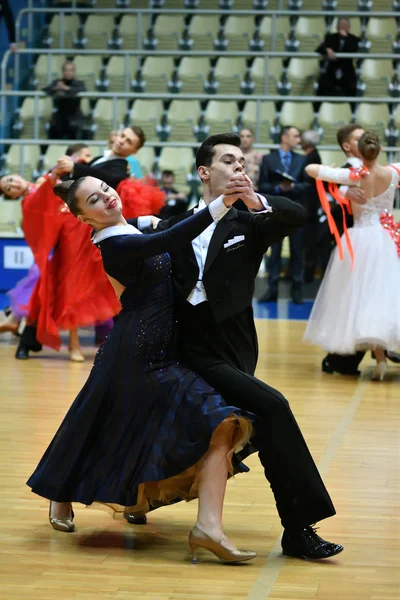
(115, 96)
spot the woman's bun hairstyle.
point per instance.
(369, 145)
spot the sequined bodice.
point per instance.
(368, 214)
(147, 303)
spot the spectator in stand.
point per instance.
(67, 120)
(338, 77)
(252, 156)
(7, 15)
(282, 174)
(176, 202)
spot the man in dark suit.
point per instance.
(112, 167)
(67, 118)
(296, 188)
(214, 285)
(338, 77)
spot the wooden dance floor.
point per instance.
(352, 428)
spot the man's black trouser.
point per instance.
(300, 495)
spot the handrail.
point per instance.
(236, 97)
(155, 144)
(210, 11)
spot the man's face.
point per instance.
(343, 25)
(291, 138)
(167, 181)
(69, 72)
(227, 161)
(125, 143)
(351, 146)
(246, 139)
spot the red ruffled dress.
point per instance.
(73, 289)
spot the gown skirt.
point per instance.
(138, 431)
(359, 308)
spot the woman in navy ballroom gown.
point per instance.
(144, 429)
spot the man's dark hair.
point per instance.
(286, 130)
(74, 148)
(206, 151)
(168, 173)
(68, 62)
(344, 133)
(140, 133)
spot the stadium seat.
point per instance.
(381, 32)
(332, 116)
(47, 68)
(118, 75)
(147, 114)
(376, 74)
(203, 30)
(310, 31)
(70, 28)
(23, 159)
(180, 161)
(229, 72)
(267, 118)
(27, 116)
(10, 215)
(146, 157)
(257, 73)
(302, 73)
(183, 116)
(299, 114)
(221, 116)
(106, 119)
(193, 72)
(128, 30)
(282, 28)
(98, 31)
(157, 71)
(88, 68)
(168, 31)
(238, 31)
(374, 117)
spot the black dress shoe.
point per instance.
(22, 352)
(307, 544)
(394, 357)
(329, 367)
(268, 297)
(134, 519)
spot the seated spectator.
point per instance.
(175, 202)
(338, 77)
(67, 119)
(253, 157)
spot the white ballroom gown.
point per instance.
(359, 308)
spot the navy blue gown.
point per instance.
(141, 416)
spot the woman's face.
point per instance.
(99, 204)
(246, 140)
(13, 186)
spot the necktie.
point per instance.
(286, 161)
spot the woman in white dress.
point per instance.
(358, 303)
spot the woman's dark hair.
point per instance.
(67, 192)
(206, 151)
(369, 145)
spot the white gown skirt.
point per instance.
(360, 308)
